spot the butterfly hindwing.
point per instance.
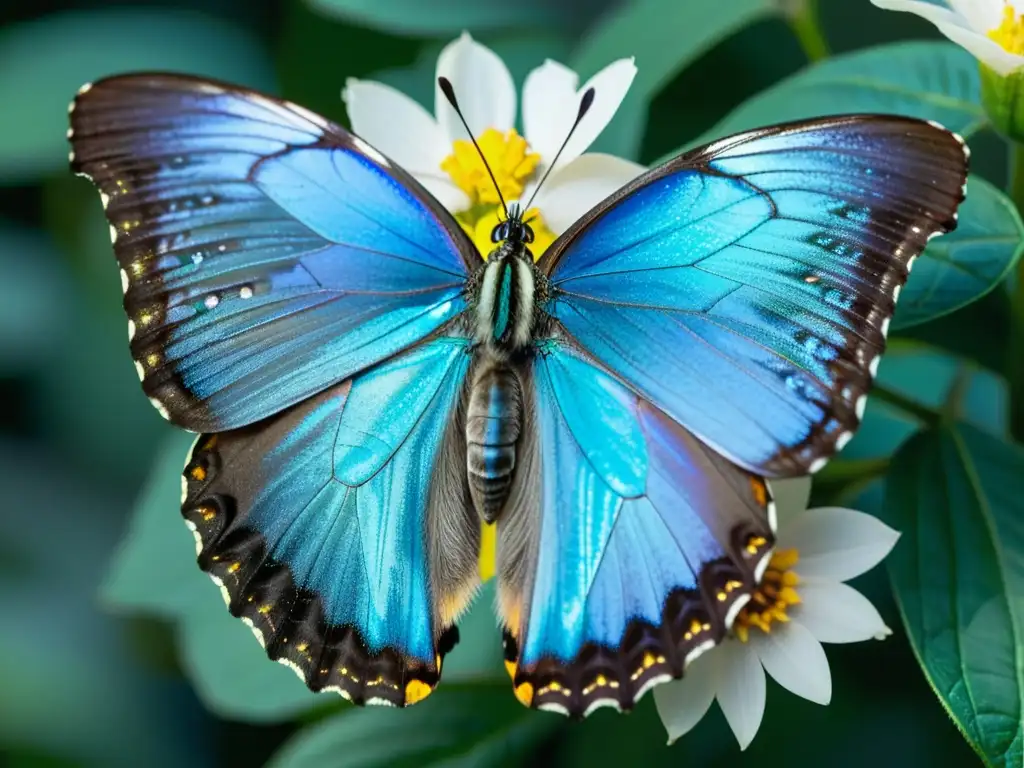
(265, 252)
(746, 287)
(635, 551)
(340, 529)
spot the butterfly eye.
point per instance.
(527, 233)
(500, 232)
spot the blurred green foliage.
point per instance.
(141, 666)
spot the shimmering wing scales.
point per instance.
(746, 288)
(265, 253)
(621, 570)
(318, 522)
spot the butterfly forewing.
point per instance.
(746, 287)
(265, 252)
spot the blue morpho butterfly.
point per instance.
(369, 387)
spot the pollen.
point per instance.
(509, 158)
(1010, 32)
(774, 596)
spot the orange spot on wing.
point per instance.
(760, 491)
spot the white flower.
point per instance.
(802, 602)
(991, 30)
(434, 148)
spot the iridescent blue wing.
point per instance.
(341, 529)
(629, 547)
(265, 253)
(745, 288)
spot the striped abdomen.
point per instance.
(492, 427)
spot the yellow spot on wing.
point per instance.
(524, 692)
(416, 690)
(510, 667)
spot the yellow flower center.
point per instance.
(513, 165)
(1010, 32)
(775, 595)
(508, 157)
(487, 559)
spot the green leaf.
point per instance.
(484, 725)
(72, 685)
(450, 17)
(925, 376)
(43, 63)
(931, 81)
(964, 265)
(155, 572)
(664, 36)
(958, 576)
(35, 298)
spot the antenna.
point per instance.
(585, 104)
(449, 93)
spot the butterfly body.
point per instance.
(369, 387)
(493, 427)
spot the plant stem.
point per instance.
(1015, 340)
(803, 20)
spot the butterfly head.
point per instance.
(505, 289)
(514, 229)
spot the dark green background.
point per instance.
(81, 685)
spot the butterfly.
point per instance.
(369, 388)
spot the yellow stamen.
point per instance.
(508, 158)
(488, 551)
(774, 596)
(1010, 32)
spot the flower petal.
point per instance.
(573, 190)
(483, 86)
(790, 496)
(549, 104)
(792, 656)
(837, 613)
(981, 15)
(740, 683)
(682, 703)
(404, 131)
(396, 125)
(960, 31)
(836, 543)
(446, 192)
(610, 86)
